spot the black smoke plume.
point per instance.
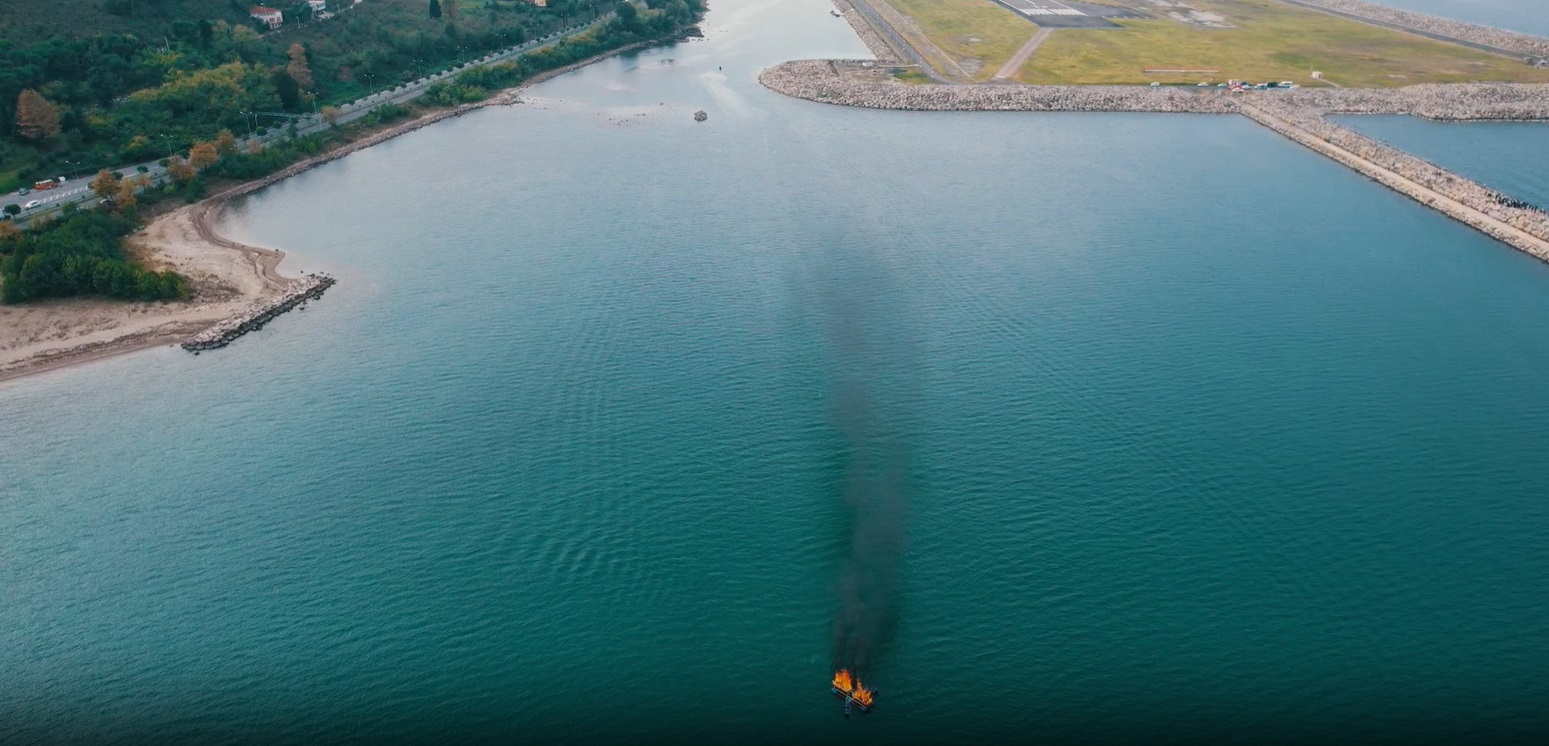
(869, 392)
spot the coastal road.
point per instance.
(76, 189)
(871, 15)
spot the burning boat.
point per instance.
(850, 689)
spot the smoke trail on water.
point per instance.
(874, 493)
(873, 367)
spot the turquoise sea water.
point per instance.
(1202, 438)
(1510, 157)
(1529, 16)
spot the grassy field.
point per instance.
(1270, 41)
(978, 34)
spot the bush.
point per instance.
(80, 254)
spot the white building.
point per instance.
(267, 16)
(317, 6)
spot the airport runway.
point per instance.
(1033, 8)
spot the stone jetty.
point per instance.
(1516, 223)
(1299, 114)
(309, 287)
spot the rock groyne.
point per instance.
(252, 319)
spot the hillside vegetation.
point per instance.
(81, 252)
(128, 80)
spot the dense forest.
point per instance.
(110, 82)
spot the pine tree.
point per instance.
(435, 8)
(298, 69)
(35, 116)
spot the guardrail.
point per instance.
(315, 120)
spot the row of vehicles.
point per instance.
(41, 185)
(37, 186)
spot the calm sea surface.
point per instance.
(1198, 437)
(1530, 16)
(1510, 157)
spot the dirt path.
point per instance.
(1009, 70)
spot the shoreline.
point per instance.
(1298, 115)
(229, 277)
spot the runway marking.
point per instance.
(1033, 8)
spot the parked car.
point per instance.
(24, 190)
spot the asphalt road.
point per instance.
(78, 189)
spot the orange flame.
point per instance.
(862, 695)
(842, 681)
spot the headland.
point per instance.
(235, 287)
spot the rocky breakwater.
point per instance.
(1457, 102)
(1513, 222)
(1526, 45)
(309, 287)
(866, 32)
(824, 82)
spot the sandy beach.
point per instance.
(227, 277)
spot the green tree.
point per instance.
(435, 8)
(287, 88)
(13, 209)
(628, 14)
